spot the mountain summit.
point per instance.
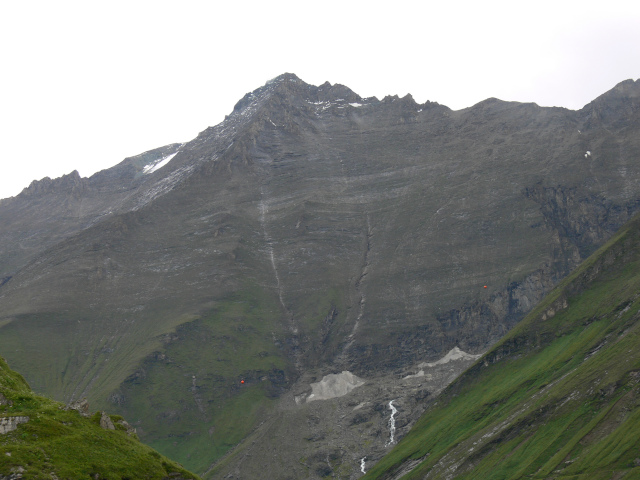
(201, 288)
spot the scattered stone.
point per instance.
(12, 476)
(16, 473)
(4, 400)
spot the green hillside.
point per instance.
(558, 397)
(48, 441)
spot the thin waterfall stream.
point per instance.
(392, 423)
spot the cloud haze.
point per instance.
(86, 84)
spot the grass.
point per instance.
(188, 397)
(61, 442)
(555, 398)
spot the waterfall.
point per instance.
(392, 423)
(362, 460)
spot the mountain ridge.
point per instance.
(311, 232)
(625, 89)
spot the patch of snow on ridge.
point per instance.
(161, 187)
(454, 354)
(158, 164)
(334, 385)
(417, 375)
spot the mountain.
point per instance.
(199, 289)
(557, 397)
(41, 438)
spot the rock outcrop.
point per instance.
(9, 424)
(81, 406)
(106, 422)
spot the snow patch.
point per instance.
(158, 164)
(163, 186)
(356, 104)
(588, 154)
(417, 375)
(454, 354)
(334, 385)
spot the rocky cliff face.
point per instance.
(557, 397)
(311, 232)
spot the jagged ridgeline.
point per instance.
(197, 288)
(558, 397)
(43, 439)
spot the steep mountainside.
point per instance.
(558, 397)
(312, 232)
(43, 439)
(48, 211)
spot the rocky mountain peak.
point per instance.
(69, 183)
(287, 91)
(337, 92)
(628, 88)
(619, 106)
(268, 87)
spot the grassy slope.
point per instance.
(558, 397)
(192, 414)
(63, 443)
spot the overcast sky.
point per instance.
(85, 84)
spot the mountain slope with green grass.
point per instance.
(558, 397)
(43, 439)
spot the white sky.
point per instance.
(84, 84)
